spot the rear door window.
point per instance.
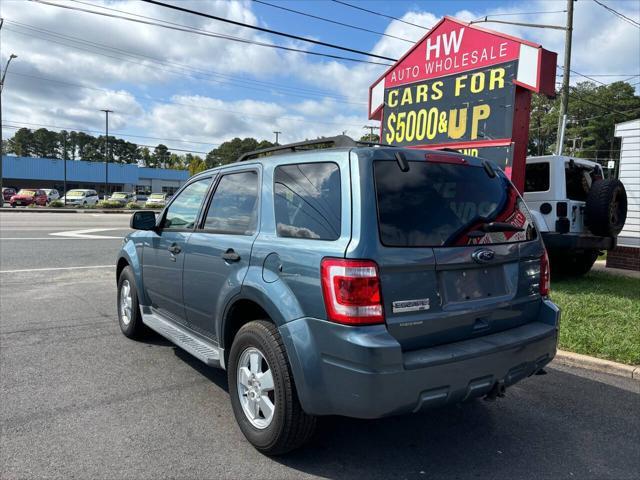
(234, 207)
(536, 177)
(308, 200)
(442, 204)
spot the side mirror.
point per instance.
(143, 220)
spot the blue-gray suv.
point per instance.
(353, 280)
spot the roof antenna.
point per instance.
(402, 162)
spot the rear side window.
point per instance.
(308, 201)
(234, 207)
(438, 204)
(536, 177)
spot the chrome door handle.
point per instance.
(175, 249)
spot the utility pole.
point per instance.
(106, 151)
(4, 74)
(64, 159)
(371, 129)
(566, 70)
(277, 134)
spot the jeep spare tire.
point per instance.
(606, 209)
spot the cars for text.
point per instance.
(354, 280)
(81, 197)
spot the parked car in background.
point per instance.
(7, 193)
(28, 196)
(52, 194)
(577, 211)
(81, 197)
(357, 281)
(122, 197)
(156, 200)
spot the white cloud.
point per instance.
(118, 79)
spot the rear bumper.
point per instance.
(554, 240)
(362, 372)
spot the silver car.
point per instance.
(80, 197)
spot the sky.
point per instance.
(192, 92)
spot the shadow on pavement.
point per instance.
(556, 426)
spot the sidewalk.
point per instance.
(600, 266)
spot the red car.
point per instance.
(27, 196)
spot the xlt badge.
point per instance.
(402, 306)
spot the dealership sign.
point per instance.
(465, 88)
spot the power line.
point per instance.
(194, 106)
(266, 30)
(618, 14)
(211, 34)
(335, 22)
(524, 13)
(266, 86)
(379, 14)
(17, 127)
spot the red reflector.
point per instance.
(545, 275)
(351, 290)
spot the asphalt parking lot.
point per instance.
(78, 399)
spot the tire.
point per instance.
(289, 427)
(572, 264)
(130, 319)
(606, 209)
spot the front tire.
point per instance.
(129, 316)
(263, 394)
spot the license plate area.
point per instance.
(462, 285)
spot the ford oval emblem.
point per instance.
(483, 255)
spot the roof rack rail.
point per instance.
(339, 141)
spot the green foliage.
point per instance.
(229, 152)
(132, 206)
(593, 112)
(56, 203)
(375, 138)
(108, 204)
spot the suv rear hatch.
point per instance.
(458, 252)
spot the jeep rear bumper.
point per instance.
(554, 240)
(362, 372)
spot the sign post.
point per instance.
(466, 88)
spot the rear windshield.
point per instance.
(27, 193)
(120, 195)
(157, 196)
(438, 204)
(75, 193)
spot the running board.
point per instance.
(196, 346)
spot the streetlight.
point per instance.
(4, 74)
(106, 151)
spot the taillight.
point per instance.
(545, 275)
(351, 290)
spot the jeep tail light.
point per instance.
(545, 275)
(351, 290)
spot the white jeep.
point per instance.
(578, 212)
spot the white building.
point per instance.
(629, 174)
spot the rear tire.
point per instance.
(289, 426)
(129, 316)
(572, 264)
(606, 208)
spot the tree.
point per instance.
(371, 137)
(45, 143)
(195, 164)
(160, 156)
(229, 152)
(21, 143)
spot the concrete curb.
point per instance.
(598, 365)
